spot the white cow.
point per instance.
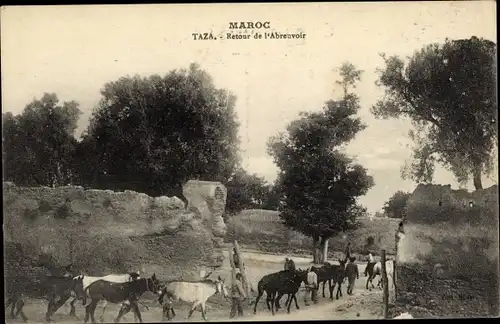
(194, 292)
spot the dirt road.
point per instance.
(362, 305)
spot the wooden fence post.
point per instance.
(395, 271)
(386, 286)
(233, 267)
(241, 265)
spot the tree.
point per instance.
(39, 144)
(318, 183)
(395, 207)
(153, 134)
(273, 197)
(448, 92)
(245, 191)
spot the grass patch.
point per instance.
(471, 253)
(263, 230)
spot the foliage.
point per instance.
(263, 230)
(151, 133)
(245, 191)
(471, 253)
(39, 144)
(319, 183)
(395, 207)
(448, 92)
(273, 198)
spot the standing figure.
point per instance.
(237, 296)
(370, 264)
(352, 274)
(311, 287)
(347, 252)
(236, 259)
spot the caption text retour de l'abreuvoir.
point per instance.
(248, 30)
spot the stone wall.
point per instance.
(447, 260)
(103, 231)
(207, 199)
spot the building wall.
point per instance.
(447, 261)
(102, 231)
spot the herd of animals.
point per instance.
(126, 289)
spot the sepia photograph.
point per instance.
(250, 162)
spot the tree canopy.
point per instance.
(448, 92)
(246, 191)
(152, 134)
(320, 184)
(39, 144)
(395, 207)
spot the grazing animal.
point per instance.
(88, 280)
(49, 287)
(338, 276)
(127, 293)
(290, 289)
(281, 283)
(376, 270)
(194, 292)
(325, 274)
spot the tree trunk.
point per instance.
(320, 249)
(316, 249)
(324, 246)
(478, 184)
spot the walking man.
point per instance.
(352, 274)
(237, 297)
(370, 264)
(289, 264)
(311, 287)
(236, 259)
(347, 251)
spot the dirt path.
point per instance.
(362, 305)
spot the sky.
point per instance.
(74, 50)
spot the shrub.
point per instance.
(44, 206)
(30, 214)
(62, 212)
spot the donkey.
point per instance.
(325, 275)
(376, 270)
(338, 277)
(291, 288)
(194, 292)
(127, 293)
(88, 280)
(282, 282)
(49, 287)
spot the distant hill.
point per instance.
(262, 229)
